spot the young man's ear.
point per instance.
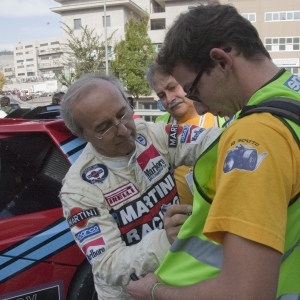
(221, 58)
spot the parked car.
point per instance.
(38, 255)
(47, 94)
(37, 94)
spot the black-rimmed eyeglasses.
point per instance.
(196, 81)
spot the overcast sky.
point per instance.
(28, 20)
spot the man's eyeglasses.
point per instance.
(112, 131)
(196, 81)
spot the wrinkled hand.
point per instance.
(140, 289)
(174, 217)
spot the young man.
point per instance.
(242, 239)
(112, 195)
(180, 110)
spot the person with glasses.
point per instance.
(114, 195)
(242, 238)
(179, 110)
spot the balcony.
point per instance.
(50, 65)
(49, 51)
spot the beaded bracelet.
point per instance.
(154, 285)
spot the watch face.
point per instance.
(159, 105)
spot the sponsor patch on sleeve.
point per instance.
(94, 249)
(151, 163)
(243, 157)
(185, 133)
(173, 131)
(293, 83)
(87, 232)
(141, 139)
(78, 216)
(94, 174)
(194, 134)
(121, 194)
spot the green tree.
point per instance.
(133, 56)
(84, 53)
(2, 81)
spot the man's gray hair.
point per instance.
(154, 69)
(77, 91)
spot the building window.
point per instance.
(29, 59)
(8, 70)
(28, 52)
(77, 23)
(250, 16)
(42, 45)
(30, 73)
(45, 58)
(282, 16)
(283, 44)
(20, 67)
(55, 56)
(20, 61)
(157, 24)
(21, 74)
(55, 43)
(20, 47)
(19, 53)
(28, 46)
(295, 71)
(31, 65)
(107, 21)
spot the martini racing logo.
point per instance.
(95, 173)
(121, 194)
(194, 134)
(79, 216)
(151, 163)
(88, 232)
(94, 248)
(137, 218)
(141, 139)
(293, 83)
(173, 131)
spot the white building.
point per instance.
(38, 59)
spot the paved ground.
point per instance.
(42, 101)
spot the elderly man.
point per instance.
(180, 110)
(242, 239)
(112, 195)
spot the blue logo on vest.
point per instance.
(95, 173)
(293, 83)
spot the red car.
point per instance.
(38, 256)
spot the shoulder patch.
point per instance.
(78, 216)
(88, 232)
(194, 134)
(243, 157)
(94, 248)
(293, 83)
(173, 131)
(141, 139)
(94, 174)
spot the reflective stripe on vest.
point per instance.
(210, 254)
(289, 297)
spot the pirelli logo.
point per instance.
(121, 194)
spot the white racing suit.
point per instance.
(112, 204)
